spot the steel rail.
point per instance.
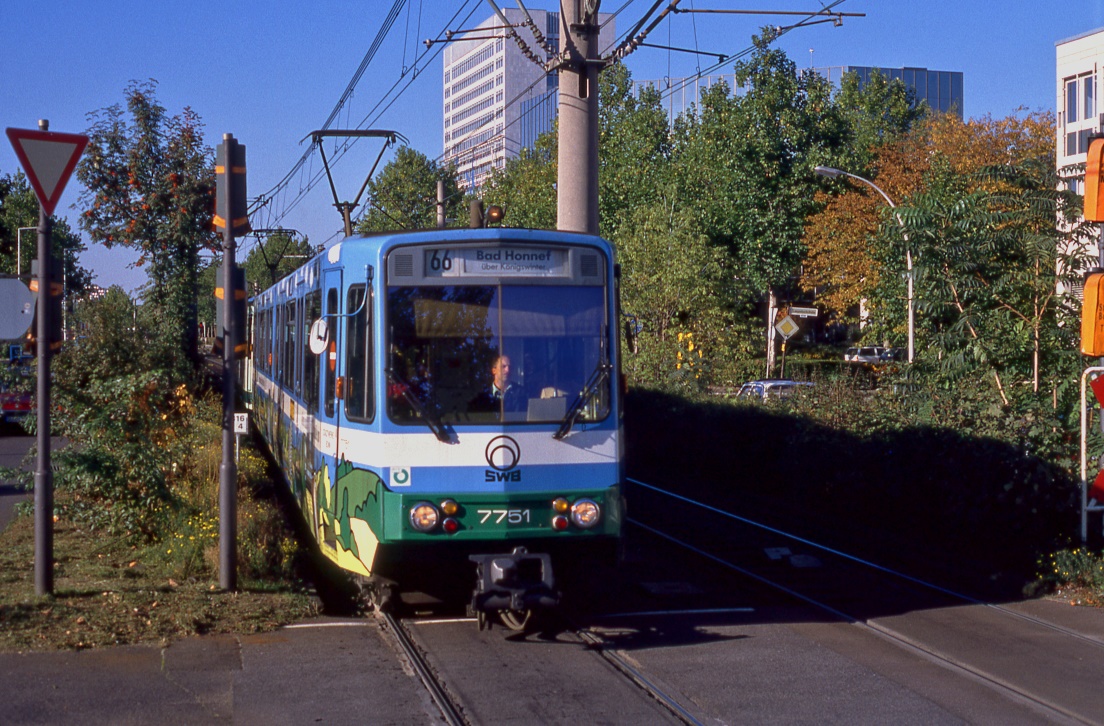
(878, 629)
(857, 560)
(449, 710)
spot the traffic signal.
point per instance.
(54, 318)
(1094, 191)
(1092, 315)
(230, 191)
(237, 309)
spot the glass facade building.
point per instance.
(496, 100)
(942, 90)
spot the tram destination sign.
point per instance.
(496, 262)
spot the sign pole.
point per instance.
(49, 159)
(230, 216)
(44, 479)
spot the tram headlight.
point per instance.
(585, 513)
(424, 516)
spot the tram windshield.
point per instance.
(477, 354)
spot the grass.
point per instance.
(114, 591)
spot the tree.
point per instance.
(876, 113)
(633, 149)
(404, 194)
(843, 238)
(274, 258)
(987, 266)
(838, 263)
(149, 184)
(19, 209)
(526, 187)
(745, 163)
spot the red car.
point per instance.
(15, 405)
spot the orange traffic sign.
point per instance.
(48, 158)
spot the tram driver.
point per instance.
(502, 393)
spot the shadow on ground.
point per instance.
(976, 511)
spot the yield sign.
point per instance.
(48, 158)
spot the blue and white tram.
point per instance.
(381, 390)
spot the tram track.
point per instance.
(926, 630)
(451, 712)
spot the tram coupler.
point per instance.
(518, 581)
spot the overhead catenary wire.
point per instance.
(409, 74)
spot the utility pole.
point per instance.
(577, 180)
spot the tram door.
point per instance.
(328, 412)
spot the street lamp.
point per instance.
(827, 171)
(19, 248)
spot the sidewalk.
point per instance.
(322, 671)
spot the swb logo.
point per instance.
(503, 454)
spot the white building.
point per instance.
(496, 100)
(1079, 116)
(1078, 61)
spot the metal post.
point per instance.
(19, 248)
(577, 177)
(440, 204)
(831, 173)
(44, 479)
(228, 470)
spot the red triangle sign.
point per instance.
(48, 158)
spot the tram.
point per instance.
(446, 405)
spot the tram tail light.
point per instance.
(450, 526)
(559, 523)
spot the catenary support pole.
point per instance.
(577, 178)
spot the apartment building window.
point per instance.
(1079, 120)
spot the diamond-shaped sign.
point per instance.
(787, 327)
(48, 158)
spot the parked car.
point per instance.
(869, 354)
(15, 405)
(771, 388)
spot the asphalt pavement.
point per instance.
(324, 671)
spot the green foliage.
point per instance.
(19, 209)
(987, 266)
(744, 163)
(149, 184)
(274, 258)
(1077, 569)
(880, 112)
(526, 187)
(404, 194)
(124, 407)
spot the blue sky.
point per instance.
(270, 73)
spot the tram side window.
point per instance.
(312, 312)
(266, 341)
(331, 392)
(358, 357)
(287, 358)
(277, 353)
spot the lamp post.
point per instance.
(831, 173)
(19, 248)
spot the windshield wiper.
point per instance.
(430, 419)
(601, 373)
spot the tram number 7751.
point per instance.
(510, 516)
